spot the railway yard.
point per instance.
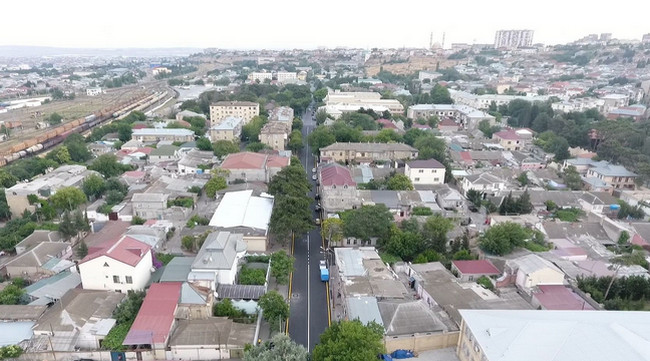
(80, 115)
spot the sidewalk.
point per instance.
(336, 298)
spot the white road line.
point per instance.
(308, 294)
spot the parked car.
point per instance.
(317, 221)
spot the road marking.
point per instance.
(308, 295)
(293, 241)
(329, 310)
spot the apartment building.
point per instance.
(338, 102)
(260, 76)
(229, 129)
(465, 115)
(155, 135)
(275, 135)
(482, 102)
(285, 76)
(221, 110)
(367, 152)
(513, 38)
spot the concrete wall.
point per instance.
(255, 244)
(421, 342)
(211, 352)
(95, 276)
(250, 175)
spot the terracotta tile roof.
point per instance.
(387, 124)
(276, 161)
(507, 134)
(244, 160)
(126, 250)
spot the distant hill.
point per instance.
(10, 51)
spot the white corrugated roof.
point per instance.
(532, 335)
(242, 209)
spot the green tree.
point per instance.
(435, 231)
(406, 245)
(572, 178)
(251, 131)
(124, 132)
(350, 341)
(224, 147)
(290, 180)
(366, 222)
(108, 166)
(320, 94)
(319, 138)
(623, 238)
(60, 155)
(225, 308)
(54, 119)
(10, 352)
(295, 141)
(256, 147)
(475, 197)
(281, 266)
(93, 186)
(215, 184)
(82, 250)
(252, 276)
(67, 228)
(280, 347)
(7, 180)
(440, 95)
(399, 182)
(332, 230)
(77, 148)
(523, 179)
(68, 198)
(291, 215)
(203, 143)
(80, 222)
(11, 295)
(502, 238)
(296, 124)
(274, 308)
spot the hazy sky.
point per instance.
(308, 24)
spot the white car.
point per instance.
(313, 170)
(314, 177)
(322, 264)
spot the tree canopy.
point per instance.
(350, 341)
(367, 222)
(280, 347)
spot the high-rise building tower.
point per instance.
(513, 38)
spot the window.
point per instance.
(116, 279)
(421, 171)
(417, 179)
(436, 179)
(129, 279)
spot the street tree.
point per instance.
(68, 198)
(503, 238)
(332, 230)
(435, 231)
(280, 347)
(215, 184)
(295, 141)
(275, 308)
(291, 215)
(350, 341)
(290, 180)
(320, 137)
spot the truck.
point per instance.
(324, 272)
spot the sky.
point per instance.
(288, 24)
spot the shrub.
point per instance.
(252, 276)
(485, 282)
(422, 211)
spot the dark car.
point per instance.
(473, 208)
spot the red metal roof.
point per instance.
(155, 319)
(476, 267)
(466, 156)
(125, 249)
(276, 161)
(336, 174)
(507, 134)
(558, 297)
(447, 123)
(387, 124)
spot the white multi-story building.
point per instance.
(91, 92)
(483, 102)
(284, 76)
(337, 103)
(261, 76)
(513, 38)
(465, 115)
(425, 172)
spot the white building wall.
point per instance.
(545, 276)
(425, 175)
(95, 276)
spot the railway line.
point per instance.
(47, 139)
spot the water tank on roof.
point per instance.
(614, 207)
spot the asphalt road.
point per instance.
(309, 296)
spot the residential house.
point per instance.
(509, 139)
(228, 129)
(447, 126)
(44, 259)
(156, 318)
(241, 212)
(485, 183)
(165, 153)
(464, 116)
(448, 198)
(80, 321)
(337, 188)
(122, 264)
(218, 259)
(367, 152)
(275, 135)
(425, 172)
(155, 135)
(615, 176)
(196, 162)
(221, 110)
(149, 205)
(39, 236)
(531, 271)
(497, 335)
(214, 338)
(44, 187)
(51, 289)
(253, 167)
(556, 297)
(471, 270)
(282, 115)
